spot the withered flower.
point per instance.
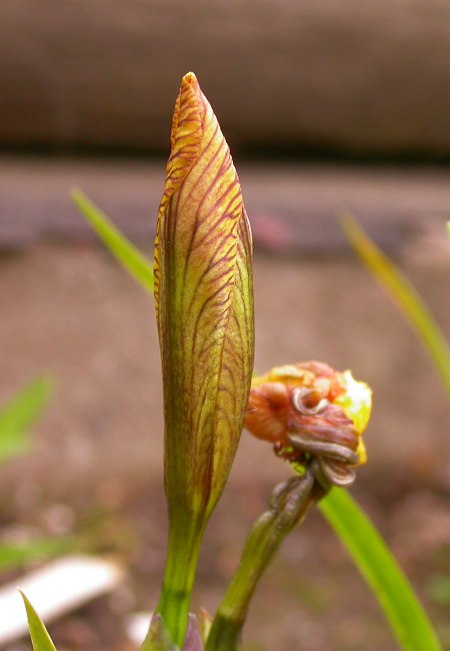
(312, 413)
(204, 307)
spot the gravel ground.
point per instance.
(96, 465)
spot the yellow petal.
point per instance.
(356, 401)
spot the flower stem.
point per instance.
(182, 555)
(289, 504)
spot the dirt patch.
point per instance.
(96, 468)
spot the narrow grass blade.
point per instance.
(13, 556)
(381, 571)
(39, 635)
(137, 264)
(19, 414)
(448, 227)
(404, 294)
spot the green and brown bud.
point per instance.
(204, 307)
(204, 304)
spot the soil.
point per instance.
(95, 470)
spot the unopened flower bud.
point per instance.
(204, 308)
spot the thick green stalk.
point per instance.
(181, 563)
(290, 503)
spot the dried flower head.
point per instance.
(310, 411)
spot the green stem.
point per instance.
(289, 505)
(183, 549)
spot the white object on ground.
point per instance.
(136, 626)
(56, 589)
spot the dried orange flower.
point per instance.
(310, 411)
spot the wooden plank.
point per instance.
(348, 76)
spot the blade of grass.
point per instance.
(19, 414)
(137, 264)
(404, 294)
(39, 635)
(381, 571)
(13, 556)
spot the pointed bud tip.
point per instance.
(190, 91)
(189, 79)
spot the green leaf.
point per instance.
(39, 635)
(381, 571)
(404, 294)
(448, 227)
(13, 556)
(19, 414)
(438, 589)
(137, 264)
(157, 638)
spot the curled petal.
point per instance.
(268, 411)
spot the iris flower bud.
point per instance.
(204, 308)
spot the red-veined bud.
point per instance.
(204, 307)
(204, 304)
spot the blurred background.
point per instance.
(328, 106)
